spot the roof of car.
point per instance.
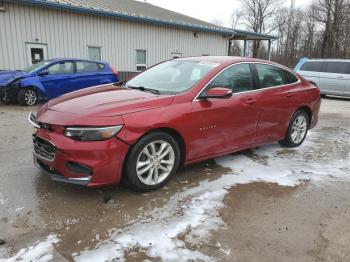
(325, 60)
(222, 59)
(74, 59)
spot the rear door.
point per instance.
(87, 74)
(58, 79)
(276, 101)
(334, 78)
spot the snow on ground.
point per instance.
(40, 251)
(188, 217)
(173, 231)
(3, 200)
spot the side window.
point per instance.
(269, 76)
(61, 68)
(312, 66)
(87, 67)
(289, 77)
(336, 67)
(237, 77)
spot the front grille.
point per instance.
(44, 149)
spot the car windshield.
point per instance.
(172, 77)
(34, 67)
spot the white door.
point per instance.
(36, 53)
(334, 77)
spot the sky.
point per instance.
(209, 10)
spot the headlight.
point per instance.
(15, 83)
(92, 133)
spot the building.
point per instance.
(130, 35)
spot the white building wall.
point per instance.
(68, 34)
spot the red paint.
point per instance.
(209, 128)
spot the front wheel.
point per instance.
(152, 162)
(27, 97)
(297, 130)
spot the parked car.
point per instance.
(53, 78)
(332, 76)
(178, 112)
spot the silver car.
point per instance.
(332, 76)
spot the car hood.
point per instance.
(106, 101)
(7, 77)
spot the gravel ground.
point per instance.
(264, 204)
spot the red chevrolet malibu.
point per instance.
(176, 113)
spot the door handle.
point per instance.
(250, 101)
(289, 94)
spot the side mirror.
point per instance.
(43, 73)
(217, 92)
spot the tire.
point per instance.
(297, 130)
(323, 96)
(158, 170)
(27, 97)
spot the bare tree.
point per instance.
(260, 17)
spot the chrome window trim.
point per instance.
(254, 90)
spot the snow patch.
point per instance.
(40, 251)
(186, 220)
(3, 200)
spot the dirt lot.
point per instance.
(266, 204)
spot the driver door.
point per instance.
(58, 79)
(222, 125)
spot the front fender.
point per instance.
(35, 83)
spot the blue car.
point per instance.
(53, 78)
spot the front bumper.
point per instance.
(8, 93)
(89, 164)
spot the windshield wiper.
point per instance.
(154, 91)
(120, 83)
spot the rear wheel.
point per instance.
(297, 129)
(27, 97)
(152, 162)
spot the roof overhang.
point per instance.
(246, 35)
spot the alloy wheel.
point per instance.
(30, 97)
(155, 162)
(299, 129)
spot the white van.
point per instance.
(332, 76)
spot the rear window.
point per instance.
(312, 66)
(289, 77)
(337, 67)
(84, 67)
(269, 76)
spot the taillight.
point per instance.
(114, 70)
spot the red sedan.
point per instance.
(176, 113)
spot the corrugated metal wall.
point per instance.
(69, 34)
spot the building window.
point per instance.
(94, 53)
(36, 53)
(176, 55)
(141, 60)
